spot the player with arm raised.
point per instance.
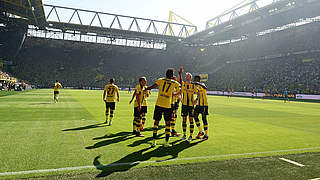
(163, 105)
(110, 90)
(188, 90)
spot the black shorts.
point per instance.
(55, 92)
(201, 110)
(111, 105)
(187, 111)
(159, 111)
(175, 106)
(144, 109)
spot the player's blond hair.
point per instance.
(187, 73)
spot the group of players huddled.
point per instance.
(172, 91)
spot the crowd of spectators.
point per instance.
(274, 61)
(9, 83)
(78, 64)
(298, 74)
(287, 59)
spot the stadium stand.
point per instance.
(78, 64)
(274, 61)
(8, 83)
(283, 59)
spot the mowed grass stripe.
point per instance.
(213, 120)
(271, 114)
(60, 137)
(275, 105)
(149, 162)
(40, 141)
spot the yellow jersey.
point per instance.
(175, 98)
(166, 89)
(202, 100)
(111, 90)
(188, 91)
(143, 96)
(57, 86)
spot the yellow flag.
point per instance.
(204, 77)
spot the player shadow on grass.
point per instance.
(138, 157)
(41, 103)
(145, 140)
(115, 138)
(86, 127)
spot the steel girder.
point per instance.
(275, 15)
(117, 25)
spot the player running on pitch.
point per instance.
(188, 90)
(140, 106)
(201, 108)
(109, 98)
(56, 88)
(163, 105)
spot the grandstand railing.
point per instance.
(95, 38)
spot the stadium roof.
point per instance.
(32, 10)
(275, 15)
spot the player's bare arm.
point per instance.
(151, 87)
(180, 75)
(117, 96)
(134, 94)
(104, 95)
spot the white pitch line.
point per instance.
(316, 178)
(148, 162)
(292, 162)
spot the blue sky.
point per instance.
(196, 11)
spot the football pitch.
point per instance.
(247, 138)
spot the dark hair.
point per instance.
(142, 78)
(112, 80)
(169, 73)
(197, 77)
(57, 81)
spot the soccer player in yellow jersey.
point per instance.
(188, 90)
(56, 88)
(140, 106)
(109, 93)
(174, 106)
(163, 105)
(201, 108)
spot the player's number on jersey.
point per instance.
(110, 91)
(164, 89)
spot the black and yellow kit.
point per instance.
(188, 91)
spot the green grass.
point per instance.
(253, 168)
(8, 93)
(38, 134)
